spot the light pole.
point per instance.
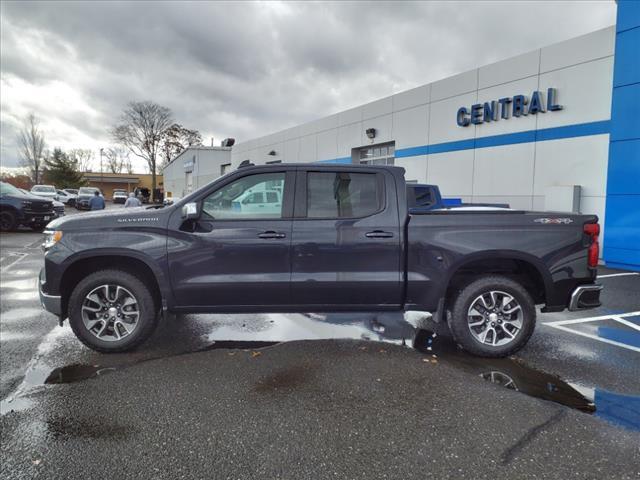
(101, 174)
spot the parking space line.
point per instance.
(592, 319)
(593, 337)
(618, 274)
(618, 319)
(16, 254)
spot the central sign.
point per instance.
(508, 107)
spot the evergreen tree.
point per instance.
(62, 171)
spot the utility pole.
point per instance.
(101, 174)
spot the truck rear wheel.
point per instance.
(112, 311)
(492, 317)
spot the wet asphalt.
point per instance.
(227, 396)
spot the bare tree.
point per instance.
(140, 130)
(117, 159)
(175, 139)
(128, 166)
(82, 157)
(31, 146)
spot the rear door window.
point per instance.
(343, 194)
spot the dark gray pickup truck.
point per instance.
(317, 238)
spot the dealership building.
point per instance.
(193, 168)
(556, 128)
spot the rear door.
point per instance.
(346, 240)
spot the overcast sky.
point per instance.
(247, 69)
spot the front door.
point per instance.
(346, 241)
(238, 251)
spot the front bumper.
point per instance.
(51, 303)
(37, 218)
(585, 297)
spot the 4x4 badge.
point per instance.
(556, 221)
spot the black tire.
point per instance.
(147, 321)
(8, 221)
(459, 320)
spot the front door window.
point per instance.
(251, 197)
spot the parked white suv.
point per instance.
(67, 198)
(45, 191)
(261, 201)
(119, 196)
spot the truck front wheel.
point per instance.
(492, 317)
(7, 221)
(112, 311)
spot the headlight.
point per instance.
(26, 203)
(51, 237)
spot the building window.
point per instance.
(378, 155)
(225, 168)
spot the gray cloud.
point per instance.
(246, 69)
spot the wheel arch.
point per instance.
(526, 269)
(134, 263)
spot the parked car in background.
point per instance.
(170, 199)
(45, 191)
(71, 191)
(84, 195)
(58, 207)
(120, 196)
(261, 201)
(20, 208)
(67, 198)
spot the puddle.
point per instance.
(410, 330)
(75, 373)
(513, 374)
(506, 372)
(79, 372)
(15, 404)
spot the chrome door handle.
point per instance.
(378, 234)
(271, 234)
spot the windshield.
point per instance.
(43, 188)
(87, 191)
(71, 190)
(8, 189)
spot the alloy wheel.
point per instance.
(110, 312)
(495, 318)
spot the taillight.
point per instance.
(593, 230)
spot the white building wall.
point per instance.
(581, 69)
(207, 167)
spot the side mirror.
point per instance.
(190, 211)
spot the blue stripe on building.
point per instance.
(542, 135)
(337, 160)
(622, 217)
